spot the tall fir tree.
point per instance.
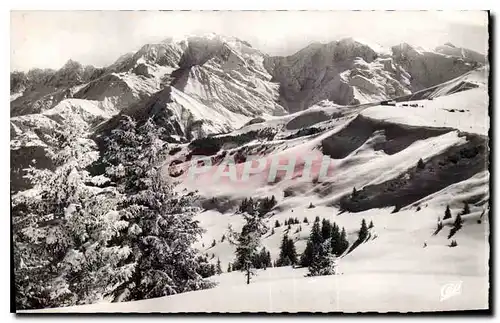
(363, 231)
(447, 213)
(307, 255)
(315, 239)
(288, 254)
(335, 239)
(161, 228)
(247, 243)
(344, 243)
(218, 268)
(63, 233)
(326, 229)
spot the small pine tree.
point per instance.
(344, 243)
(286, 222)
(306, 220)
(371, 225)
(219, 269)
(316, 219)
(288, 254)
(420, 164)
(335, 239)
(306, 257)
(214, 243)
(363, 231)
(326, 229)
(277, 224)
(223, 238)
(247, 242)
(354, 193)
(311, 206)
(453, 243)
(447, 213)
(272, 231)
(297, 221)
(315, 239)
(229, 269)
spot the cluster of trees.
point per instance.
(457, 224)
(291, 221)
(119, 235)
(260, 206)
(207, 269)
(325, 243)
(262, 259)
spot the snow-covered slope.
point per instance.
(403, 257)
(461, 103)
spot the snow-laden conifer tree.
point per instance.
(63, 227)
(247, 243)
(161, 227)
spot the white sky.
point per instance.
(47, 39)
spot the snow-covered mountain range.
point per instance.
(374, 112)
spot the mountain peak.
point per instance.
(71, 64)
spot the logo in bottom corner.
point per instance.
(451, 289)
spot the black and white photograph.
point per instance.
(313, 161)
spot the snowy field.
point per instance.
(393, 271)
(286, 290)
